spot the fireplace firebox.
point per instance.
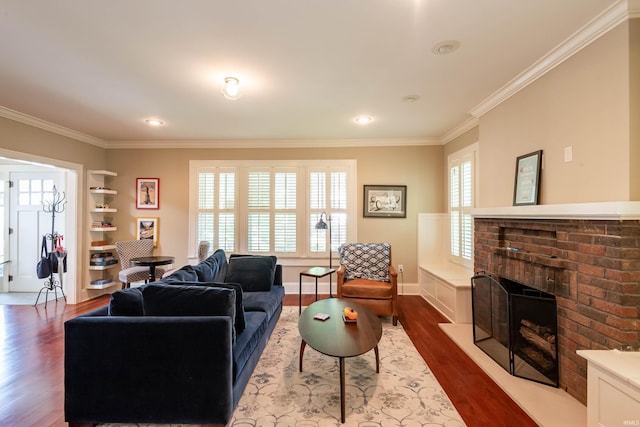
(516, 326)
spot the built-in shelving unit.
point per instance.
(101, 246)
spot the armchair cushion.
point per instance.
(366, 261)
(133, 274)
(252, 272)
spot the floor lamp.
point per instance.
(322, 225)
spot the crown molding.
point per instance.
(463, 127)
(267, 143)
(26, 119)
(598, 26)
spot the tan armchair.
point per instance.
(367, 276)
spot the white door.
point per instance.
(31, 195)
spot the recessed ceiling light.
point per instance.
(446, 47)
(154, 122)
(363, 120)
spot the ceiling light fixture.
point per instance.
(231, 89)
(411, 98)
(363, 120)
(154, 122)
(446, 47)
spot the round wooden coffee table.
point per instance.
(337, 338)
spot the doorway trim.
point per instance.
(73, 215)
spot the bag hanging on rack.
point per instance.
(44, 266)
(54, 255)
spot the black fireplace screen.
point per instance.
(516, 326)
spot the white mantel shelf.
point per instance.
(617, 211)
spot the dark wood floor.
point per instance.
(32, 360)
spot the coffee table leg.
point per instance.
(375, 349)
(342, 388)
(303, 344)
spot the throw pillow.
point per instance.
(127, 302)
(366, 260)
(252, 272)
(239, 321)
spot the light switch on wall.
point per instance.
(568, 154)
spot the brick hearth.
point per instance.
(593, 268)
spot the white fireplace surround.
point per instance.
(619, 211)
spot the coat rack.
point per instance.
(54, 206)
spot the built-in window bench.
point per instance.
(447, 286)
(613, 379)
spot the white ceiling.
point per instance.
(307, 67)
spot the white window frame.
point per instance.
(302, 206)
(469, 153)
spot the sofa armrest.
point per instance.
(149, 369)
(102, 311)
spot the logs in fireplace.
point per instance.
(516, 325)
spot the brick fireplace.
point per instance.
(590, 260)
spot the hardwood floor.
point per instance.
(32, 364)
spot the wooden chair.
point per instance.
(367, 276)
(128, 249)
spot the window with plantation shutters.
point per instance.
(461, 200)
(216, 207)
(328, 193)
(272, 207)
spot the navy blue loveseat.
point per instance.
(179, 350)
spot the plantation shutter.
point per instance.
(259, 216)
(332, 187)
(461, 184)
(254, 206)
(216, 205)
(285, 216)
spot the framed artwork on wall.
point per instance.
(147, 193)
(385, 201)
(147, 228)
(527, 187)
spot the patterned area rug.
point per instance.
(404, 393)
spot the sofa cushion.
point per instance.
(252, 272)
(184, 274)
(239, 320)
(209, 269)
(126, 302)
(246, 343)
(179, 300)
(269, 302)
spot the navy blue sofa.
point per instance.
(179, 350)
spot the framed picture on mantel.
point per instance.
(527, 186)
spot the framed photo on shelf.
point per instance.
(147, 193)
(527, 186)
(385, 201)
(147, 228)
